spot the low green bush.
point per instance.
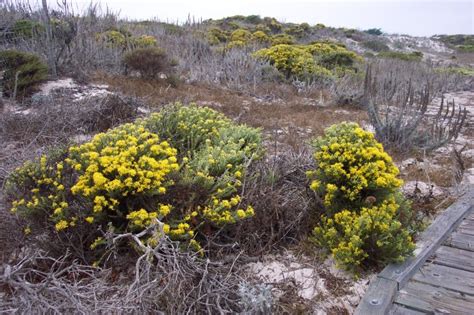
(112, 38)
(412, 56)
(23, 70)
(25, 28)
(374, 31)
(465, 48)
(143, 41)
(183, 166)
(366, 219)
(216, 36)
(282, 39)
(375, 45)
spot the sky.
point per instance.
(413, 17)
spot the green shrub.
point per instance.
(263, 28)
(374, 31)
(458, 39)
(183, 166)
(295, 30)
(282, 39)
(465, 48)
(375, 45)
(457, 70)
(273, 24)
(216, 36)
(253, 19)
(27, 28)
(241, 35)
(149, 62)
(114, 39)
(366, 219)
(143, 41)
(30, 69)
(260, 37)
(412, 56)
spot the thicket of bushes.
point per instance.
(183, 166)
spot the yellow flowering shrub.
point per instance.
(143, 41)
(351, 166)
(366, 218)
(112, 38)
(372, 236)
(215, 153)
(322, 59)
(292, 61)
(183, 166)
(240, 35)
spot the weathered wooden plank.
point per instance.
(466, 227)
(454, 257)
(460, 240)
(429, 299)
(398, 309)
(430, 239)
(446, 277)
(378, 298)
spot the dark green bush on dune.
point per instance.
(150, 62)
(23, 70)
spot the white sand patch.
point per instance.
(422, 189)
(48, 87)
(314, 284)
(89, 92)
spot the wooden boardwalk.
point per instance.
(445, 283)
(439, 279)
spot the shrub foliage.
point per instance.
(22, 70)
(320, 59)
(150, 62)
(183, 166)
(366, 218)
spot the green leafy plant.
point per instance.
(22, 72)
(366, 219)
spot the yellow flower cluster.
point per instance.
(352, 165)
(352, 172)
(319, 58)
(125, 161)
(372, 236)
(47, 190)
(216, 150)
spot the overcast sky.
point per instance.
(414, 17)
